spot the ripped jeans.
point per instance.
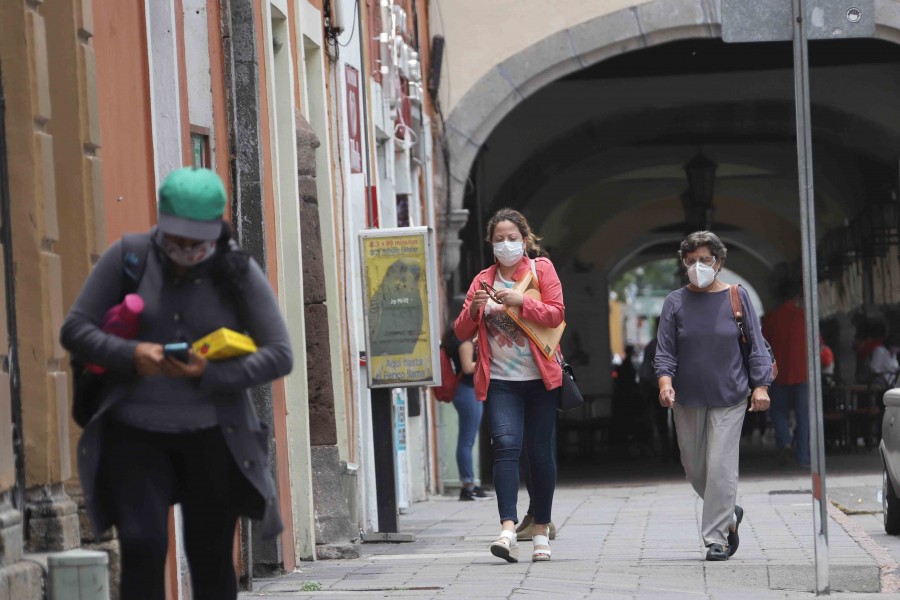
(517, 411)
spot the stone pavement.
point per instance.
(637, 540)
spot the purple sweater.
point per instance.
(699, 348)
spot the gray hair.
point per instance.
(699, 239)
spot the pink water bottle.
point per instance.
(121, 320)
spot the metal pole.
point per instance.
(810, 296)
(385, 472)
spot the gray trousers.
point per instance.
(709, 438)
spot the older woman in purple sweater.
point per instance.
(704, 377)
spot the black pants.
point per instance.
(146, 473)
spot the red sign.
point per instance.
(372, 221)
(353, 109)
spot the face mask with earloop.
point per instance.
(509, 253)
(188, 257)
(701, 275)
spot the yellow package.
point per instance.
(224, 343)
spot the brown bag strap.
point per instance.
(737, 309)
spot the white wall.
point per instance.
(481, 34)
(196, 58)
(342, 219)
(282, 105)
(165, 98)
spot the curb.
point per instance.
(887, 566)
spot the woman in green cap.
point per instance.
(169, 431)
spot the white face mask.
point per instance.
(701, 275)
(188, 257)
(509, 253)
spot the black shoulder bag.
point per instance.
(87, 386)
(569, 395)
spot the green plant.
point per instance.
(311, 586)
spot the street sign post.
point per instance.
(810, 297)
(800, 21)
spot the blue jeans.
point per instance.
(525, 469)
(469, 410)
(523, 411)
(784, 399)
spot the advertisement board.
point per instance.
(399, 273)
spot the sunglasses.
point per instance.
(491, 292)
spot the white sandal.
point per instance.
(541, 554)
(505, 546)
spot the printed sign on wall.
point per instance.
(399, 281)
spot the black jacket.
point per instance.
(227, 382)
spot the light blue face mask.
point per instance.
(509, 253)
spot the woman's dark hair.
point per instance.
(532, 247)
(449, 338)
(699, 239)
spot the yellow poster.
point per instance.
(398, 320)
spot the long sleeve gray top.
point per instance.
(177, 308)
(699, 347)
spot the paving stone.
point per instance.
(622, 542)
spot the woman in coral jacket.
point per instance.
(520, 384)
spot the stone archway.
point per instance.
(513, 80)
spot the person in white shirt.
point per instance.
(883, 364)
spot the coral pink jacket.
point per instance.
(549, 311)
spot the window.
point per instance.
(200, 147)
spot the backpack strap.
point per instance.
(737, 309)
(135, 248)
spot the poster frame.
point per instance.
(429, 301)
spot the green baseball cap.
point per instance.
(191, 204)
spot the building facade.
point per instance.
(329, 117)
(319, 128)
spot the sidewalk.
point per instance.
(628, 541)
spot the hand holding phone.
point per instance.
(179, 351)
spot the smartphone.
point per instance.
(490, 291)
(178, 350)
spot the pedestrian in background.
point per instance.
(659, 416)
(826, 359)
(168, 431)
(469, 411)
(883, 365)
(520, 384)
(629, 426)
(785, 329)
(704, 378)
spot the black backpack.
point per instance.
(87, 386)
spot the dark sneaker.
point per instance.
(466, 494)
(733, 539)
(480, 493)
(717, 552)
